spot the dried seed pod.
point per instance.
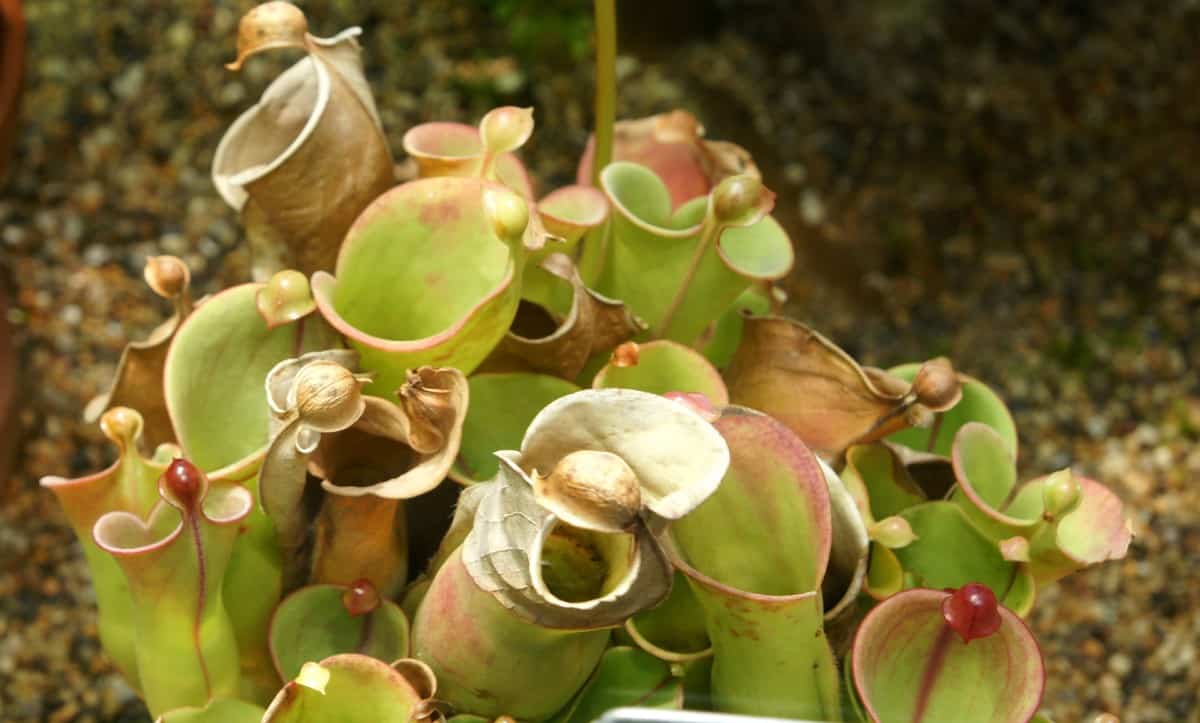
(167, 276)
(936, 385)
(430, 409)
(270, 25)
(591, 489)
(328, 396)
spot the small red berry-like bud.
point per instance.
(972, 611)
(184, 483)
(360, 598)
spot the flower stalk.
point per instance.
(606, 84)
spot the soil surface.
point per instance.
(1012, 184)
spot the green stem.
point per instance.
(606, 85)
(708, 236)
(485, 167)
(934, 429)
(298, 339)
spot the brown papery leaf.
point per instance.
(391, 453)
(503, 554)
(369, 454)
(673, 457)
(791, 372)
(138, 382)
(428, 423)
(301, 164)
(595, 324)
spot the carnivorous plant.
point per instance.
(460, 450)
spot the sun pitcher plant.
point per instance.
(464, 450)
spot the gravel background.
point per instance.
(1015, 187)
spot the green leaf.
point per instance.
(987, 488)
(1096, 530)
(490, 661)
(675, 628)
(430, 274)
(881, 476)
(313, 624)
(885, 575)
(646, 258)
(755, 553)
(457, 149)
(346, 688)
(978, 404)
(571, 211)
(697, 684)
(174, 562)
(215, 372)
(501, 408)
(624, 677)
(727, 333)
(770, 654)
(851, 703)
(219, 711)
(444, 148)
(950, 552)
(1082, 524)
(848, 553)
(672, 145)
(908, 665)
(766, 530)
(252, 586)
(214, 379)
(662, 366)
(987, 473)
(130, 484)
(486, 152)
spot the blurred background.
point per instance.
(1013, 184)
